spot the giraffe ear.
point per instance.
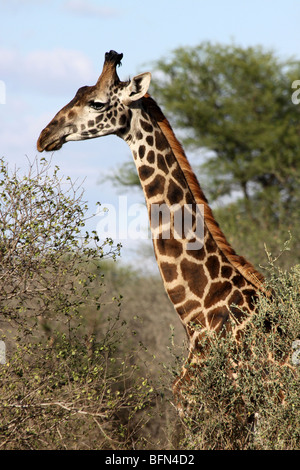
(137, 88)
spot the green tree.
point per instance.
(46, 260)
(64, 382)
(233, 109)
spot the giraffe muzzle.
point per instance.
(45, 142)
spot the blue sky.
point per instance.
(48, 49)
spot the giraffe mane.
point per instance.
(239, 262)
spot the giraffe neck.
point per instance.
(202, 275)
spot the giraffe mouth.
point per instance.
(56, 144)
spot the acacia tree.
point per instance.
(63, 384)
(233, 109)
(45, 259)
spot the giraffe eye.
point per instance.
(96, 105)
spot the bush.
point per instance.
(45, 261)
(246, 396)
(61, 386)
(66, 394)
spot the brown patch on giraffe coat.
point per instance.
(250, 296)
(142, 150)
(177, 295)
(145, 172)
(170, 159)
(235, 304)
(60, 121)
(238, 281)
(210, 245)
(169, 247)
(217, 317)
(194, 275)
(189, 199)
(218, 291)
(146, 126)
(150, 140)
(156, 186)
(169, 271)
(175, 193)
(151, 156)
(187, 308)
(122, 120)
(160, 141)
(226, 271)
(236, 298)
(179, 177)
(199, 254)
(144, 114)
(213, 266)
(162, 164)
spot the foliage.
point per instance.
(246, 396)
(71, 392)
(62, 386)
(237, 103)
(45, 260)
(232, 108)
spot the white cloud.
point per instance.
(59, 64)
(54, 71)
(88, 8)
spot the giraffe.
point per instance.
(210, 286)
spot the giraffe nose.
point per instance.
(41, 140)
(49, 142)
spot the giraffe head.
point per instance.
(97, 110)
